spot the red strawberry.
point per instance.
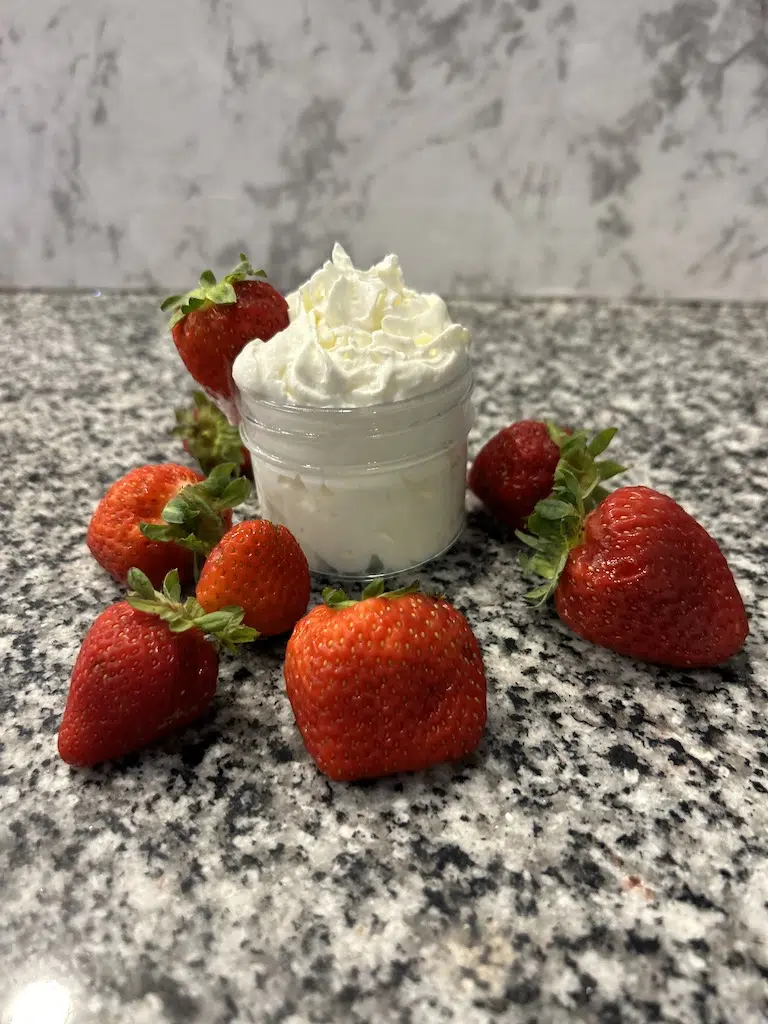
(637, 574)
(259, 566)
(213, 323)
(209, 437)
(392, 683)
(514, 470)
(158, 503)
(139, 676)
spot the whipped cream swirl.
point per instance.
(356, 338)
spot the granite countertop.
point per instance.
(604, 855)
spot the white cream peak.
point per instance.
(355, 338)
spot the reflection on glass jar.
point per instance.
(367, 491)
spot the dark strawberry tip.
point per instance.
(209, 292)
(556, 524)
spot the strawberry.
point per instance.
(145, 668)
(158, 503)
(211, 324)
(392, 683)
(209, 437)
(514, 470)
(257, 565)
(636, 574)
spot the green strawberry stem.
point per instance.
(224, 626)
(210, 437)
(193, 518)
(338, 599)
(209, 292)
(556, 524)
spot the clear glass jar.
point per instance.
(368, 491)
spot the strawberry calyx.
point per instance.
(208, 435)
(225, 627)
(337, 599)
(193, 517)
(209, 292)
(556, 524)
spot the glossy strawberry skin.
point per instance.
(114, 537)
(514, 470)
(259, 566)
(649, 582)
(387, 685)
(210, 339)
(134, 681)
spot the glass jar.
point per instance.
(368, 491)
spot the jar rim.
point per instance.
(351, 411)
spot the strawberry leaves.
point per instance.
(207, 434)
(338, 599)
(556, 523)
(193, 518)
(209, 292)
(242, 271)
(224, 626)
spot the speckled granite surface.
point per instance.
(603, 857)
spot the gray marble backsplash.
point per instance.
(613, 147)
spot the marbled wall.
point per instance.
(500, 146)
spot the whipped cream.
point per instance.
(367, 487)
(378, 523)
(355, 338)
(367, 491)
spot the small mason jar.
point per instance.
(367, 491)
